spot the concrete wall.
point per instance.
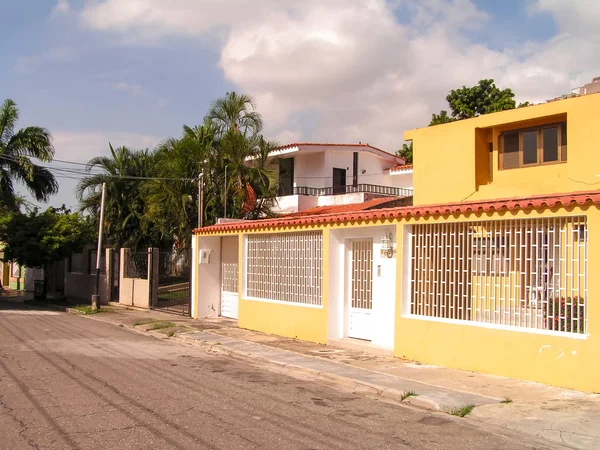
(81, 285)
(207, 287)
(451, 159)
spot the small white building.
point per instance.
(312, 175)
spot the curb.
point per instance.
(330, 379)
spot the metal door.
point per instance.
(229, 290)
(361, 289)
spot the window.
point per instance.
(77, 263)
(285, 267)
(534, 146)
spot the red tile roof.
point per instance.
(341, 209)
(383, 153)
(511, 204)
(402, 168)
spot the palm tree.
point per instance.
(235, 112)
(16, 150)
(125, 171)
(172, 202)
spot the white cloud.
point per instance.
(33, 63)
(131, 88)
(61, 8)
(366, 75)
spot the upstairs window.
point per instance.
(546, 144)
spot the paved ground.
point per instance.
(71, 382)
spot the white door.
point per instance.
(229, 290)
(361, 289)
(229, 277)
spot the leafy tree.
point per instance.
(16, 150)
(483, 98)
(406, 152)
(37, 239)
(124, 173)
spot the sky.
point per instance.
(133, 72)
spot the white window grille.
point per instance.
(528, 273)
(285, 267)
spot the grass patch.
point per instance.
(507, 400)
(86, 309)
(161, 325)
(171, 333)
(144, 322)
(460, 411)
(408, 394)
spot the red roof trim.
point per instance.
(541, 201)
(402, 168)
(363, 146)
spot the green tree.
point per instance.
(16, 150)
(37, 239)
(406, 152)
(483, 98)
(125, 171)
(172, 204)
(235, 112)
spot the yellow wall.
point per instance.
(301, 322)
(451, 158)
(572, 362)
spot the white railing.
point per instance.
(285, 267)
(528, 273)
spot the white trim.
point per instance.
(280, 302)
(472, 323)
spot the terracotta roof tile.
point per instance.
(510, 204)
(402, 168)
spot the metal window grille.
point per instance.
(362, 262)
(285, 267)
(527, 273)
(230, 277)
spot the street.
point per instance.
(73, 382)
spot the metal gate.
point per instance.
(361, 289)
(115, 276)
(173, 292)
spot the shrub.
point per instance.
(561, 311)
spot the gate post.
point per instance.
(153, 274)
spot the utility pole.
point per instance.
(225, 192)
(201, 199)
(96, 296)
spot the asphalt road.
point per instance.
(74, 382)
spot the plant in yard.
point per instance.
(171, 333)
(408, 394)
(137, 323)
(566, 314)
(460, 411)
(161, 325)
(17, 147)
(506, 400)
(87, 310)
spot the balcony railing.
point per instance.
(348, 189)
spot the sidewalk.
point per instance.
(558, 415)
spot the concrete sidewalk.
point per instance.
(558, 415)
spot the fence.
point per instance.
(136, 265)
(522, 273)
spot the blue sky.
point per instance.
(94, 71)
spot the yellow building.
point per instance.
(487, 271)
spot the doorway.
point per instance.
(229, 277)
(360, 289)
(339, 181)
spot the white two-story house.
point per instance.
(312, 175)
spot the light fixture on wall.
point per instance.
(387, 245)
